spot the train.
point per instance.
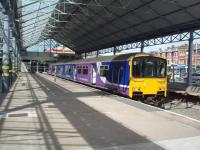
(136, 75)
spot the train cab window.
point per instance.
(104, 70)
(149, 67)
(85, 70)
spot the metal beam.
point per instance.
(6, 58)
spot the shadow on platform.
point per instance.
(98, 130)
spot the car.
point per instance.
(196, 78)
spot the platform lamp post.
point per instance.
(50, 46)
(190, 49)
(44, 63)
(37, 66)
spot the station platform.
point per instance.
(41, 114)
(182, 88)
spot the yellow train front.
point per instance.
(148, 76)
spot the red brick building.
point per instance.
(179, 55)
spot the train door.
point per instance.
(94, 73)
(121, 78)
(74, 72)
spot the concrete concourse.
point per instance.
(39, 114)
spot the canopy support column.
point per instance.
(142, 47)
(115, 50)
(6, 57)
(97, 53)
(190, 49)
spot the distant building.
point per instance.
(179, 55)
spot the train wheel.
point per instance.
(161, 102)
(148, 100)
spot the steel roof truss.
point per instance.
(197, 34)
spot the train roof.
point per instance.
(108, 58)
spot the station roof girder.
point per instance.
(88, 25)
(100, 24)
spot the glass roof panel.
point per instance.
(35, 15)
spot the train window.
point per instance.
(66, 69)
(104, 70)
(70, 69)
(79, 69)
(85, 70)
(53, 69)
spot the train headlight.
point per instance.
(161, 89)
(136, 89)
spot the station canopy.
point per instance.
(88, 25)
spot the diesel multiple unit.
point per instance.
(133, 75)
